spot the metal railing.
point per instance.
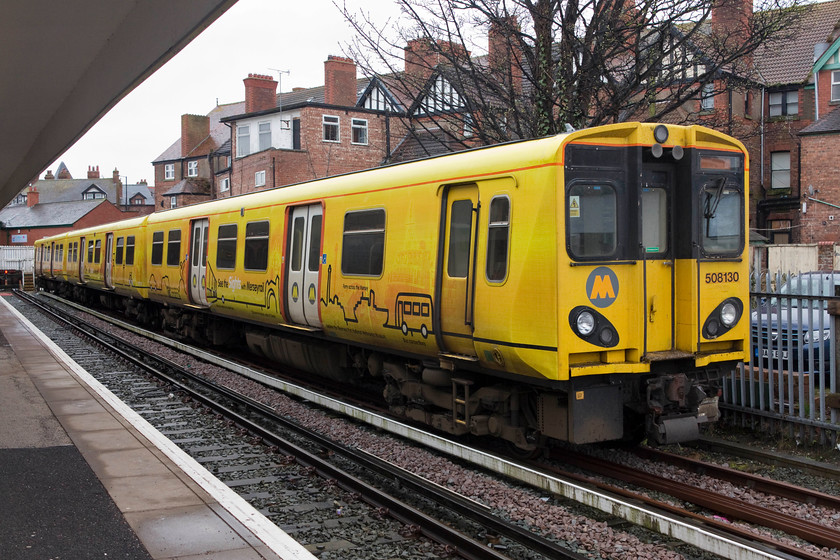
(789, 385)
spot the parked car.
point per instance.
(790, 330)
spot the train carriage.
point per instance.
(583, 287)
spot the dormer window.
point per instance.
(92, 193)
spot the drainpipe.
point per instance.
(817, 97)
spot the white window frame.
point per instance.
(264, 132)
(192, 168)
(169, 172)
(259, 179)
(360, 125)
(225, 185)
(173, 201)
(779, 174)
(707, 97)
(835, 85)
(783, 103)
(326, 121)
(243, 140)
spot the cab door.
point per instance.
(198, 262)
(657, 257)
(456, 275)
(303, 263)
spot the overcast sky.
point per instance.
(253, 36)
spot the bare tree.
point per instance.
(550, 63)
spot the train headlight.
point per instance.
(728, 314)
(593, 327)
(585, 323)
(660, 133)
(724, 317)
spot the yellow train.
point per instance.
(584, 287)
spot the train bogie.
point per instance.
(556, 288)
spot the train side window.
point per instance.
(315, 243)
(363, 243)
(157, 248)
(460, 234)
(97, 251)
(297, 243)
(498, 235)
(592, 220)
(256, 246)
(226, 247)
(90, 251)
(173, 248)
(118, 256)
(129, 250)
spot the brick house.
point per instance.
(194, 168)
(798, 132)
(306, 133)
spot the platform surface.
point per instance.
(83, 476)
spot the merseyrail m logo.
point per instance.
(602, 287)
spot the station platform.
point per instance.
(83, 476)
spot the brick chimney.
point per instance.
(115, 176)
(64, 173)
(32, 197)
(49, 175)
(93, 172)
(503, 54)
(731, 19)
(260, 93)
(340, 81)
(423, 55)
(194, 129)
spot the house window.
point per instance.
(360, 131)
(173, 248)
(785, 103)
(243, 140)
(169, 172)
(330, 128)
(225, 185)
(707, 97)
(835, 85)
(780, 170)
(468, 125)
(259, 179)
(192, 169)
(265, 135)
(173, 202)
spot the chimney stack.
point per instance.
(118, 185)
(49, 175)
(340, 81)
(503, 54)
(32, 197)
(93, 172)
(194, 129)
(260, 93)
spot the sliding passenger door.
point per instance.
(109, 261)
(198, 262)
(303, 260)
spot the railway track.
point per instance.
(713, 501)
(695, 532)
(264, 429)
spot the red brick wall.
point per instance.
(820, 169)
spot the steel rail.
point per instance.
(681, 525)
(759, 515)
(257, 417)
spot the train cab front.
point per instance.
(662, 288)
